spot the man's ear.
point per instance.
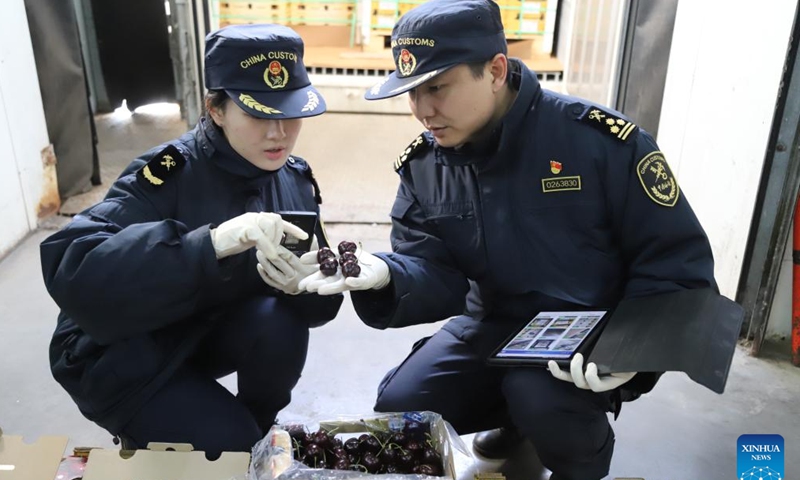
(498, 67)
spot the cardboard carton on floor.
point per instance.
(36, 461)
(40, 461)
(164, 462)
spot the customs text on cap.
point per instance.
(261, 68)
(438, 35)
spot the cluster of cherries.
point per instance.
(328, 264)
(403, 452)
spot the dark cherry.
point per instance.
(341, 464)
(370, 445)
(328, 267)
(324, 253)
(353, 457)
(371, 463)
(431, 456)
(313, 461)
(322, 439)
(415, 448)
(415, 430)
(348, 257)
(346, 246)
(351, 446)
(399, 438)
(314, 451)
(406, 460)
(339, 453)
(388, 456)
(351, 269)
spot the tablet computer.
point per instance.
(551, 336)
(306, 221)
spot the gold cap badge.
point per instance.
(276, 75)
(406, 62)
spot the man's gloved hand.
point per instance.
(263, 229)
(590, 380)
(374, 275)
(285, 272)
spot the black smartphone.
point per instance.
(306, 221)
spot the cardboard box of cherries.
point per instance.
(407, 446)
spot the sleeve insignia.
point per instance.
(609, 123)
(409, 152)
(162, 165)
(657, 179)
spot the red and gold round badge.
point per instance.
(406, 62)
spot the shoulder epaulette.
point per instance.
(304, 168)
(608, 123)
(162, 165)
(409, 152)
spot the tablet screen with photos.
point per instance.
(551, 336)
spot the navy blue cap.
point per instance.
(438, 35)
(261, 68)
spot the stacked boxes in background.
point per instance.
(523, 18)
(321, 12)
(385, 13)
(238, 12)
(287, 12)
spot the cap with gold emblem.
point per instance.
(438, 35)
(261, 68)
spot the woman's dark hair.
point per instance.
(215, 99)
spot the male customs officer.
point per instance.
(514, 201)
(159, 284)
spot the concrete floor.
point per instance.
(679, 431)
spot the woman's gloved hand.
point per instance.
(262, 229)
(285, 272)
(374, 275)
(589, 380)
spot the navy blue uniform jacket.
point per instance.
(136, 276)
(565, 205)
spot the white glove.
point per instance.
(589, 381)
(285, 272)
(374, 275)
(241, 233)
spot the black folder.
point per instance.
(692, 331)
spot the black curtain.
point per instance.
(133, 42)
(65, 93)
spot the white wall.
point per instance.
(23, 132)
(724, 69)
